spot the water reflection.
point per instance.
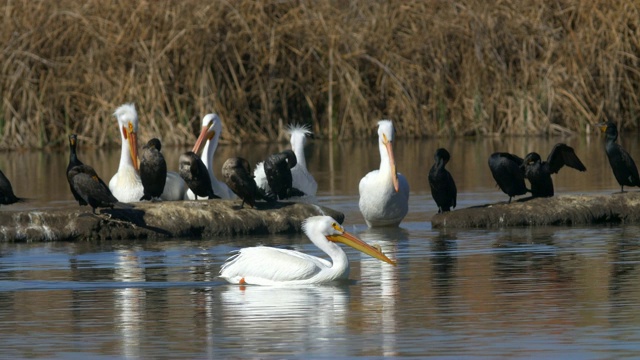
(549, 291)
(129, 302)
(380, 284)
(270, 320)
(443, 265)
(623, 292)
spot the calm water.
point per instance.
(561, 292)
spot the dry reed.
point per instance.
(437, 68)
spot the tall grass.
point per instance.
(437, 68)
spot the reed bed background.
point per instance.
(436, 68)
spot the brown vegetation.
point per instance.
(437, 68)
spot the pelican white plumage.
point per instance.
(211, 130)
(302, 179)
(384, 193)
(264, 265)
(126, 185)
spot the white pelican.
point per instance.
(384, 193)
(126, 185)
(211, 130)
(264, 265)
(302, 179)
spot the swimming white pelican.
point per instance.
(211, 130)
(302, 179)
(384, 193)
(126, 185)
(264, 265)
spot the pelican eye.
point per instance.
(384, 139)
(213, 133)
(130, 127)
(336, 226)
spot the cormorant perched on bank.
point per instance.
(508, 172)
(74, 161)
(153, 170)
(92, 190)
(7, 197)
(623, 166)
(239, 178)
(539, 172)
(196, 175)
(443, 188)
(277, 168)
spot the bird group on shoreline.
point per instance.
(383, 193)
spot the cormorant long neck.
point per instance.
(612, 136)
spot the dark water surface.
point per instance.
(546, 292)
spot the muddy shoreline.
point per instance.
(558, 210)
(146, 220)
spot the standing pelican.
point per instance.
(302, 179)
(237, 175)
(264, 265)
(153, 170)
(7, 197)
(74, 161)
(211, 130)
(622, 164)
(126, 185)
(443, 187)
(384, 193)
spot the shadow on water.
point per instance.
(443, 264)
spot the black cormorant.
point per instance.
(539, 172)
(196, 175)
(74, 161)
(92, 190)
(443, 188)
(623, 166)
(508, 172)
(153, 170)
(7, 196)
(237, 174)
(277, 169)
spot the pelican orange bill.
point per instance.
(360, 245)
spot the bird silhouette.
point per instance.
(508, 172)
(622, 164)
(443, 187)
(539, 172)
(153, 170)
